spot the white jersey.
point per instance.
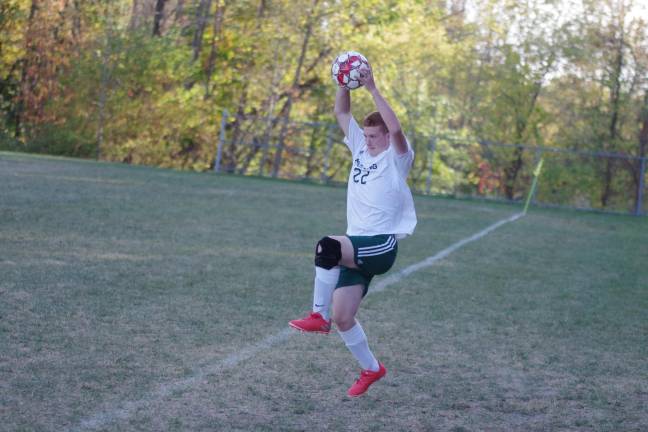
(378, 198)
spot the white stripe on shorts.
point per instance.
(388, 243)
(383, 249)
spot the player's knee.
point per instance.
(328, 253)
(343, 321)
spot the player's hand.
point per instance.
(367, 79)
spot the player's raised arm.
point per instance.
(386, 111)
(343, 109)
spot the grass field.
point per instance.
(135, 298)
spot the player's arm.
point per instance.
(386, 112)
(343, 109)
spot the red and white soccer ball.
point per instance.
(346, 69)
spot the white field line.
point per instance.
(124, 410)
(396, 277)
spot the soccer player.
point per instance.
(380, 211)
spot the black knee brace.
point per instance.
(328, 253)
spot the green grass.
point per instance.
(117, 281)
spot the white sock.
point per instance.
(356, 340)
(325, 281)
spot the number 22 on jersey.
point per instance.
(358, 176)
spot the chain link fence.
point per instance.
(444, 165)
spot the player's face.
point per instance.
(377, 140)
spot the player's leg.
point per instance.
(326, 278)
(330, 253)
(347, 254)
(346, 301)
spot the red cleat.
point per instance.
(367, 378)
(314, 323)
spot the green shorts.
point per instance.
(374, 255)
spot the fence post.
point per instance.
(266, 151)
(642, 174)
(221, 141)
(538, 157)
(327, 155)
(428, 186)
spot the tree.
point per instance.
(13, 14)
(521, 52)
(604, 71)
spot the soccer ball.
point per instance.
(346, 69)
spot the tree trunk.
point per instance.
(179, 11)
(25, 86)
(104, 82)
(282, 139)
(158, 17)
(609, 144)
(416, 175)
(282, 136)
(76, 24)
(263, 5)
(311, 152)
(512, 171)
(201, 20)
(240, 118)
(470, 101)
(274, 97)
(643, 134)
(134, 19)
(211, 63)
(240, 112)
(101, 108)
(256, 146)
(643, 148)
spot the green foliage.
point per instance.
(9, 143)
(61, 140)
(504, 71)
(12, 18)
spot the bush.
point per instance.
(9, 143)
(56, 140)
